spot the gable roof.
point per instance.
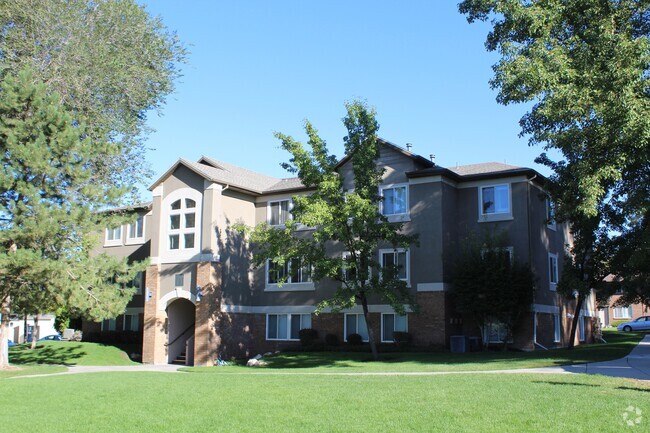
(248, 180)
(415, 157)
(235, 176)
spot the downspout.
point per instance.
(530, 255)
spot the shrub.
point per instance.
(307, 336)
(401, 339)
(331, 340)
(615, 323)
(355, 340)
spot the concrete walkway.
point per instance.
(634, 366)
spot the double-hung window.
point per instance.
(623, 313)
(395, 260)
(108, 325)
(395, 200)
(494, 200)
(137, 283)
(182, 224)
(286, 326)
(356, 324)
(114, 236)
(391, 323)
(294, 271)
(131, 322)
(553, 275)
(279, 212)
(135, 230)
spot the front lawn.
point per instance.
(67, 353)
(619, 345)
(164, 402)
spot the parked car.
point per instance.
(54, 337)
(640, 324)
(11, 343)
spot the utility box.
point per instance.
(458, 343)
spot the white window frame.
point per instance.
(494, 216)
(115, 241)
(398, 216)
(345, 326)
(288, 285)
(618, 310)
(553, 275)
(135, 239)
(303, 317)
(406, 325)
(176, 255)
(287, 217)
(550, 214)
(407, 261)
(557, 328)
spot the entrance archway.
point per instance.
(180, 332)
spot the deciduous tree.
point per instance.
(346, 219)
(110, 62)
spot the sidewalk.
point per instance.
(634, 366)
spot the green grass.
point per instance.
(159, 402)
(619, 345)
(67, 353)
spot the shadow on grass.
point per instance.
(60, 354)
(629, 388)
(618, 346)
(551, 382)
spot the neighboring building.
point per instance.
(132, 241)
(17, 325)
(203, 298)
(621, 313)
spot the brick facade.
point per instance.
(154, 350)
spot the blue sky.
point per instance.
(257, 67)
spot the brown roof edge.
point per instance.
(441, 171)
(381, 141)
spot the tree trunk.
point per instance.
(4, 334)
(35, 333)
(371, 335)
(574, 322)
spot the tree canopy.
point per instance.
(491, 286)
(585, 66)
(109, 61)
(49, 219)
(340, 220)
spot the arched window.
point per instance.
(182, 224)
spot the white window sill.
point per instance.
(488, 218)
(290, 287)
(282, 339)
(113, 243)
(398, 218)
(553, 287)
(135, 241)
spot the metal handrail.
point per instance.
(180, 335)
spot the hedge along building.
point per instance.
(203, 300)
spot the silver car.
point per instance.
(640, 324)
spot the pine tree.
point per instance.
(48, 210)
